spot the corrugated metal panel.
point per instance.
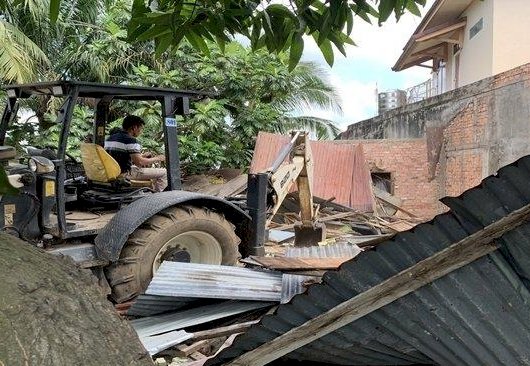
(476, 315)
(279, 235)
(338, 250)
(175, 321)
(267, 147)
(147, 305)
(215, 282)
(340, 170)
(293, 284)
(158, 343)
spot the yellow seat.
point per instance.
(100, 166)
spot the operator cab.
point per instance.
(71, 196)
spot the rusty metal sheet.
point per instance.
(362, 194)
(267, 147)
(340, 170)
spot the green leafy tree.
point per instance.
(253, 91)
(86, 41)
(271, 25)
(35, 47)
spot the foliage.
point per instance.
(268, 24)
(247, 91)
(100, 51)
(254, 92)
(19, 55)
(35, 46)
(26, 131)
(197, 156)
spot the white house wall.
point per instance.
(449, 71)
(476, 56)
(511, 34)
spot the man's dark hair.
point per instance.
(131, 121)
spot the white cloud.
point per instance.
(369, 64)
(358, 99)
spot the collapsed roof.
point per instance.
(476, 312)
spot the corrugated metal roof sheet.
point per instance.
(147, 305)
(340, 170)
(293, 284)
(267, 147)
(192, 280)
(338, 250)
(175, 321)
(476, 315)
(158, 343)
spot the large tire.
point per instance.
(184, 233)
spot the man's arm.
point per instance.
(140, 160)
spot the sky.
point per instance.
(368, 66)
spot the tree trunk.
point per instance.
(52, 313)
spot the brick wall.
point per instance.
(456, 139)
(406, 160)
(464, 148)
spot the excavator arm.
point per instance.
(267, 190)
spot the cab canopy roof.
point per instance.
(96, 90)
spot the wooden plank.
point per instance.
(232, 187)
(438, 265)
(382, 198)
(399, 225)
(197, 356)
(439, 30)
(186, 350)
(340, 215)
(300, 263)
(335, 206)
(223, 331)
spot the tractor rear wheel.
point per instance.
(179, 234)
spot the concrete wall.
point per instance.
(511, 36)
(468, 133)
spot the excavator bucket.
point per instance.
(305, 236)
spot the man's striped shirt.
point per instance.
(120, 146)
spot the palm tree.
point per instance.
(86, 42)
(309, 90)
(259, 92)
(20, 57)
(101, 52)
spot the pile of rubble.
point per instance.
(191, 311)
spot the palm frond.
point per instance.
(324, 129)
(19, 55)
(311, 89)
(37, 9)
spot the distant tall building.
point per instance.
(391, 99)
